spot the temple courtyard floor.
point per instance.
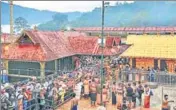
(85, 105)
(156, 100)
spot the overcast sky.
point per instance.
(64, 6)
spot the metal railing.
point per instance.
(161, 78)
(35, 104)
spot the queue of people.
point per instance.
(23, 95)
(122, 95)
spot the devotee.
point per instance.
(139, 91)
(20, 100)
(119, 96)
(93, 92)
(134, 95)
(4, 100)
(104, 95)
(42, 99)
(114, 93)
(165, 103)
(74, 103)
(86, 87)
(29, 94)
(25, 98)
(146, 96)
(129, 94)
(98, 93)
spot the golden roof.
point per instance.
(151, 46)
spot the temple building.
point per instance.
(154, 51)
(39, 53)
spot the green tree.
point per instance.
(20, 23)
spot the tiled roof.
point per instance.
(83, 45)
(111, 40)
(53, 45)
(24, 53)
(151, 46)
(129, 29)
(89, 45)
(113, 50)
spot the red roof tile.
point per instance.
(53, 45)
(134, 29)
(25, 53)
(83, 45)
(109, 41)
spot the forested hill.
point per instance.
(33, 16)
(134, 14)
(139, 13)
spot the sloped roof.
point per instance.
(151, 46)
(83, 44)
(49, 46)
(129, 29)
(24, 53)
(53, 46)
(89, 45)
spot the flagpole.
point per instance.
(102, 52)
(0, 58)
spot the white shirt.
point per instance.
(101, 108)
(7, 95)
(45, 85)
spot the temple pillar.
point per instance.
(56, 65)
(6, 66)
(144, 33)
(172, 33)
(159, 63)
(158, 33)
(42, 70)
(130, 61)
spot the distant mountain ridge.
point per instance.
(33, 16)
(137, 14)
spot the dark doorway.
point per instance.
(133, 63)
(155, 64)
(163, 65)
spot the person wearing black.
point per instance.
(134, 95)
(114, 94)
(129, 94)
(139, 91)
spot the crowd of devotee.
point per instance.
(84, 83)
(21, 96)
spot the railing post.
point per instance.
(170, 78)
(19, 72)
(36, 102)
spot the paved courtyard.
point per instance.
(85, 105)
(156, 101)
